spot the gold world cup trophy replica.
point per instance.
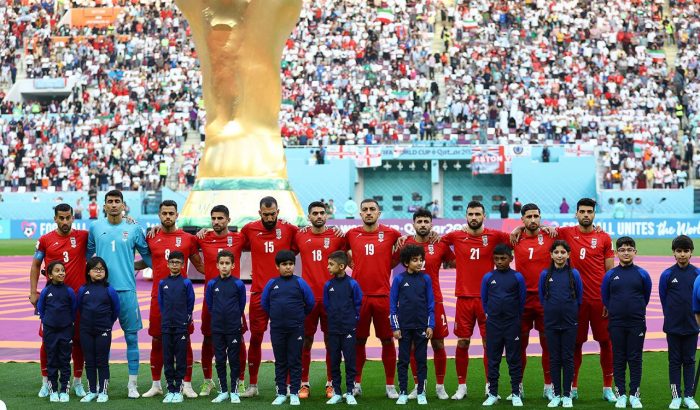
(239, 44)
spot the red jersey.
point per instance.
(532, 256)
(372, 257)
(435, 255)
(71, 249)
(264, 245)
(474, 258)
(314, 250)
(588, 254)
(212, 244)
(161, 245)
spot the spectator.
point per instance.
(503, 208)
(564, 207)
(517, 206)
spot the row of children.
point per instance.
(626, 291)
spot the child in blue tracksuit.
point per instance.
(676, 293)
(561, 292)
(225, 296)
(503, 295)
(176, 302)
(56, 307)
(98, 304)
(412, 314)
(342, 299)
(287, 299)
(625, 291)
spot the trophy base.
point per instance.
(242, 197)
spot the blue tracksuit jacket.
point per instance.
(503, 296)
(176, 302)
(226, 302)
(287, 299)
(676, 293)
(57, 305)
(411, 303)
(98, 305)
(625, 292)
(342, 299)
(560, 306)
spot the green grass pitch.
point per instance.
(19, 383)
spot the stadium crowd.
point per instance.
(514, 72)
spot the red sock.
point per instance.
(545, 360)
(360, 358)
(328, 366)
(462, 364)
(578, 358)
(190, 360)
(414, 366)
(156, 358)
(43, 360)
(254, 356)
(243, 358)
(524, 341)
(389, 361)
(440, 362)
(207, 357)
(78, 361)
(305, 364)
(606, 363)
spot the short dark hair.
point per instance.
(369, 200)
(529, 207)
(220, 208)
(268, 202)
(285, 255)
(168, 202)
(339, 257)
(51, 265)
(176, 255)
(586, 202)
(64, 207)
(411, 251)
(422, 213)
(625, 240)
(503, 249)
(91, 263)
(224, 254)
(316, 204)
(476, 204)
(682, 242)
(115, 193)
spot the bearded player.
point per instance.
(436, 254)
(371, 248)
(69, 246)
(314, 245)
(212, 242)
(166, 240)
(473, 248)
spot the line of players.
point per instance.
(372, 247)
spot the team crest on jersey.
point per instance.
(73, 242)
(485, 240)
(278, 233)
(178, 242)
(326, 243)
(229, 241)
(125, 236)
(540, 239)
(381, 237)
(431, 249)
(594, 243)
